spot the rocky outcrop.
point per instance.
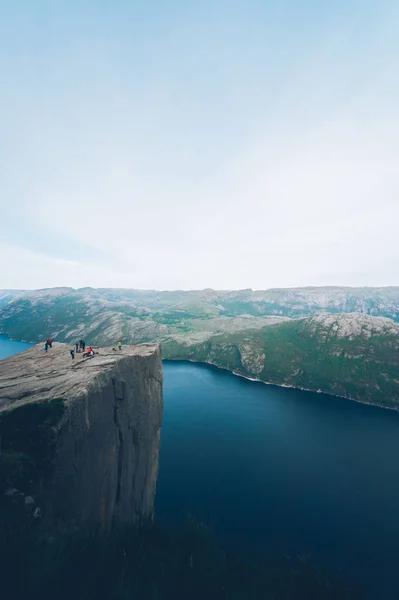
(80, 438)
(350, 326)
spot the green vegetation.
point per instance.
(291, 353)
(38, 321)
(100, 313)
(209, 326)
(154, 562)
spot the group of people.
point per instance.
(81, 345)
(79, 348)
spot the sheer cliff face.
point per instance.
(98, 435)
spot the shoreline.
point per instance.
(248, 378)
(10, 339)
(283, 385)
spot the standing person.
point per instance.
(83, 345)
(77, 347)
(46, 346)
(120, 345)
(72, 353)
(50, 342)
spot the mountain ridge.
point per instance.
(333, 340)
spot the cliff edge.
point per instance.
(79, 439)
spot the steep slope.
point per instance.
(7, 295)
(351, 355)
(80, 439)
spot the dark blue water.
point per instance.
(282, 471)
(9, 347)
(274, 469)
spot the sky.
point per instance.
(199, 143)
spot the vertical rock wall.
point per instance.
(105, 450)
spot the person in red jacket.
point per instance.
(90, 352)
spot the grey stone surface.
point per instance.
(105, 461)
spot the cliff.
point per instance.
(80, 438)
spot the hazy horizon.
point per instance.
(214, 144)
(305, 287)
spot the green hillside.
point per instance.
(350, 354)
(354, 356)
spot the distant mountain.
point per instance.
(339, 340)
(350, 355)
(302, 302)
(8, 295)
(141, 315)
(104, 315)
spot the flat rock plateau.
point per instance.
(80, 438)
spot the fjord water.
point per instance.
(9, 347)
(279, 470)
(283, 471)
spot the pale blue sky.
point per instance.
(190, 144)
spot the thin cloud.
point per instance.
(253, 153)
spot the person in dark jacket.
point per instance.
(72, 353)
(77, 347)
